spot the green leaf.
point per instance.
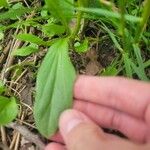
(8, 110)
(110, 71)
(140, 74)
(112, 36)
(140, 70)
(18, 5)
(44, 13)
(82, 47)
(14, 13)
(61, 9)
(147, 63)
(25, 51)
(109, 14)
(3, 3)
(54, 88)
(51, 29)
(31, 38)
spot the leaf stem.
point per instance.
(77, 27)
(78, 24)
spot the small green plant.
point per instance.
(55, 83)
(8, 107)
(54, 86)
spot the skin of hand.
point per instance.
(109, 102)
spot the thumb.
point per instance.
(79, 132)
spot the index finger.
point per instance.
(129, 96)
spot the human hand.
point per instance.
(115, 103)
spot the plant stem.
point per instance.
(78, 23)
(122, 4)
(77, 27)
(145, 16)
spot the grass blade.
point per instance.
(111, 14)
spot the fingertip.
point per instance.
(54, 146)
(57, 138)
(79, 132)
(69, 119)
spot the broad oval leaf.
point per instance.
(53, 88)
(8, 110)
(61, 9)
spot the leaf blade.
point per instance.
(109, 14)
(8, 110)
(54, 88)
(62, 10)
(30, 38)
(14, 13)
(53, 29)
(26, 51)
